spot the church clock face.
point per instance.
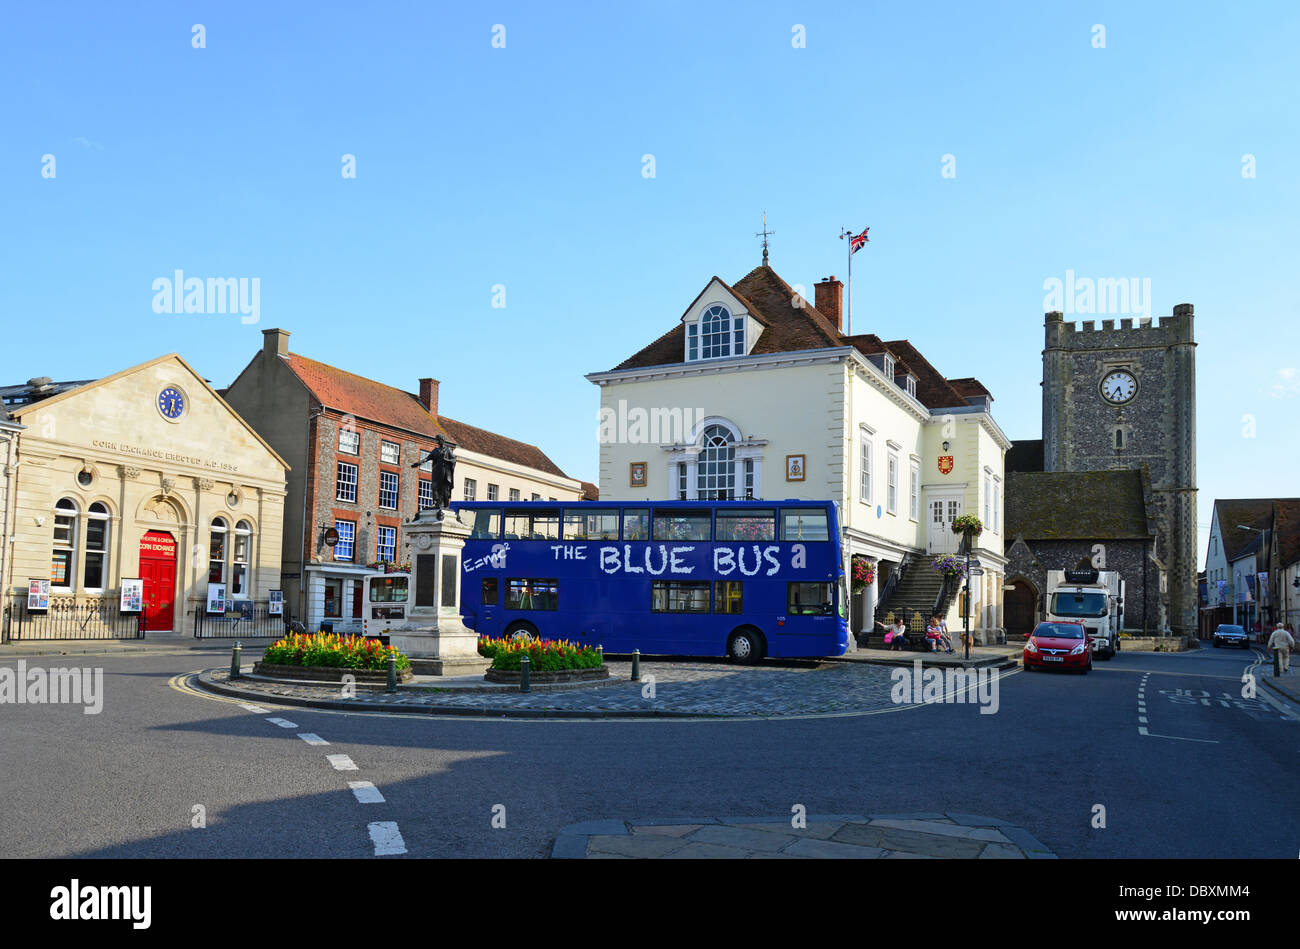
(1119, 387)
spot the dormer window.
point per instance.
(716, 335)
(911, 386)
(889, 367)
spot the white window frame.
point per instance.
(340, 482)
(107, 519)
(493, 492)
(355, 440)
(988, 490)
(997, 506)
(911, 386)
(243, 531)
(379, 544)
(347, 535)
(387, 457)
(889, 367)
(218, 525)
(396, 492)
(73, 516)
(866, 464)
(914, 489)
(471, 489)
(424, 495)
(891, 483)
(515, 495)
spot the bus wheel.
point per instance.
(745, 645)
(528, 629)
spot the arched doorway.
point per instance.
(1021, 607)
(158, 571)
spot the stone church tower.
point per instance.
(1123, 398)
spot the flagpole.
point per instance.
(850, 320)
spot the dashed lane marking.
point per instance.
(256, 710)
(282, 722)
(366, 792)
(386, 838)
(311, 739)
(341, 763)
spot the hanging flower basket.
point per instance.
(949, 565)
(863, 572)
(968, 524)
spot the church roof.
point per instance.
(792, 323)
(1075, 505)
(1025, 454)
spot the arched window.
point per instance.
(96, 547)
(217, 552)
(64, 555)
(721, 334)
(239, 559)
(1119, 438)
(716, 466)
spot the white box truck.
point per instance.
(1094, 596)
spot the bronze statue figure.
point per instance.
(444, 472)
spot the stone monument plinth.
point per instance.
(433, 637)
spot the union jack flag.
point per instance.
(857, 240)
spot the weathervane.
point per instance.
(765, 234)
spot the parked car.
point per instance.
(1228, 635)
(1059, 645)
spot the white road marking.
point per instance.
(282, 722)
(252, 708)
(311, 739)
(1142, 719)
(341, 763)
(366, 792)
(386, 838)
(1205, 741)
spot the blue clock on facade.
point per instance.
(171, 403)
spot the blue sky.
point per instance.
(522, 166)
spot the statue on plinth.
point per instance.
(443, 463)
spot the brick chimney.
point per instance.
(828, 296)
(275, 342)
(429, 396)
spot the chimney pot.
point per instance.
(828, 298)
(429, 396)
(275, 342)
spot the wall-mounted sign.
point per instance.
(132, 595)
(275, 603)
(945, 464)
(794, 467)
(331, 537)
(216, 598)
(636, 474)
(38, 594)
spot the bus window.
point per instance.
(746, 525)
(388, 589)
(532, 525)
(532, 594)
(809, 599)
(804, 524)
(487, 524)
(489, 591)
(726, 596)
(591, 525)
(636, 524)
(681, 525)
(679, 596)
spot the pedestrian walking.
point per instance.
(1281, 642)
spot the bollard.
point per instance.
(234, 660)
(636, 665)
(524, 665)
(1277, 663)
(392, 673)
(600, 651)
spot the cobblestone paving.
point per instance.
(840, 836)
(676, 687)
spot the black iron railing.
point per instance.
(69, 618)
(887, 592)
(252, 622)
(951, 582)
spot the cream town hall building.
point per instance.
(756, 392)
(146, 474)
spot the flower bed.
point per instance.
(547, 655)
(332, 651)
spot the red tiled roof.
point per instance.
(590, 492)
(498, 446)
(792, 324)
(969, 386)
(362, 397)
(1286, 522)
(1253, 512)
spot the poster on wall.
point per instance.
(244, 608)
(216, 598)
(38, 594)
(275, 605)
(132, 594)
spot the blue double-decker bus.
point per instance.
(744, 579)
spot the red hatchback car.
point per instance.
(1059, 645)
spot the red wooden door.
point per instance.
(158, 570)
